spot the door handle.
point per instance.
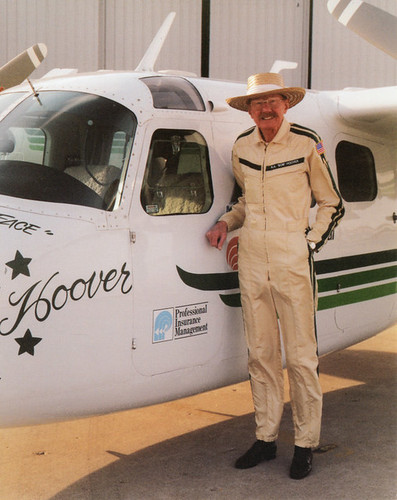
(394, 217)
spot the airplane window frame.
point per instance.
(177, 178)
(355, 165)
(171, 92)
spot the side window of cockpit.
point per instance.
(356, 172)
(177, 177)
(24, 144)
(170, 92)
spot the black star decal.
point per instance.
(19, 265)
(27, 343)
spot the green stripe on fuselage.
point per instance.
(346, 298)
(229, 281)
(231, 300)
(356, 279)
(336, 300)
(355, 261)
(213, 281)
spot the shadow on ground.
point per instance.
(359, 424)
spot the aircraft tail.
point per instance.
(279, 65)
(149, 59)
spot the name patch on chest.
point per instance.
(288, 163)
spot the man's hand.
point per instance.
(217, 234)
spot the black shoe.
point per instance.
(259, 452)
(301, 463)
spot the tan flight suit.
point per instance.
(276, 275)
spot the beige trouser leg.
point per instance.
(275, 280)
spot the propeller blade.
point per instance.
(375, 25)
(18, 69)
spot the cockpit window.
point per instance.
(174, 93)
(177, 177)
(66, 147)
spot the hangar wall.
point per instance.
(246, 36)
(343, 59)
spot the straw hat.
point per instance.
(263, 85)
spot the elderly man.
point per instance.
(280, 167)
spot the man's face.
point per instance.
(268, 112)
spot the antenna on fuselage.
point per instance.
(149, 59)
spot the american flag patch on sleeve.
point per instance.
(320, 148)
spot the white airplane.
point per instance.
(110, 296)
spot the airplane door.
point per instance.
(176, 325)
(367, 183)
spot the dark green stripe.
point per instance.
(356, 279)
(231, 300)
(354, 261)
(229, 281)
(344, 299)
(215, 281)
(337, 300)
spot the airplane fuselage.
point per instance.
(110, 296)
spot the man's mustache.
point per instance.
(267, 115)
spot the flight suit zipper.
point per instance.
(263, 179)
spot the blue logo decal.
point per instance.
(162, 325)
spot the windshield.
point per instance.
(66, 147)
(7, 99)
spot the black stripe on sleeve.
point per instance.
(339, 210)
(300, 130)
(244, 134)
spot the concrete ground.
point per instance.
(185, 449)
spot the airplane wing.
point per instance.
(374, 109)
(18, 69)
(375, 25)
